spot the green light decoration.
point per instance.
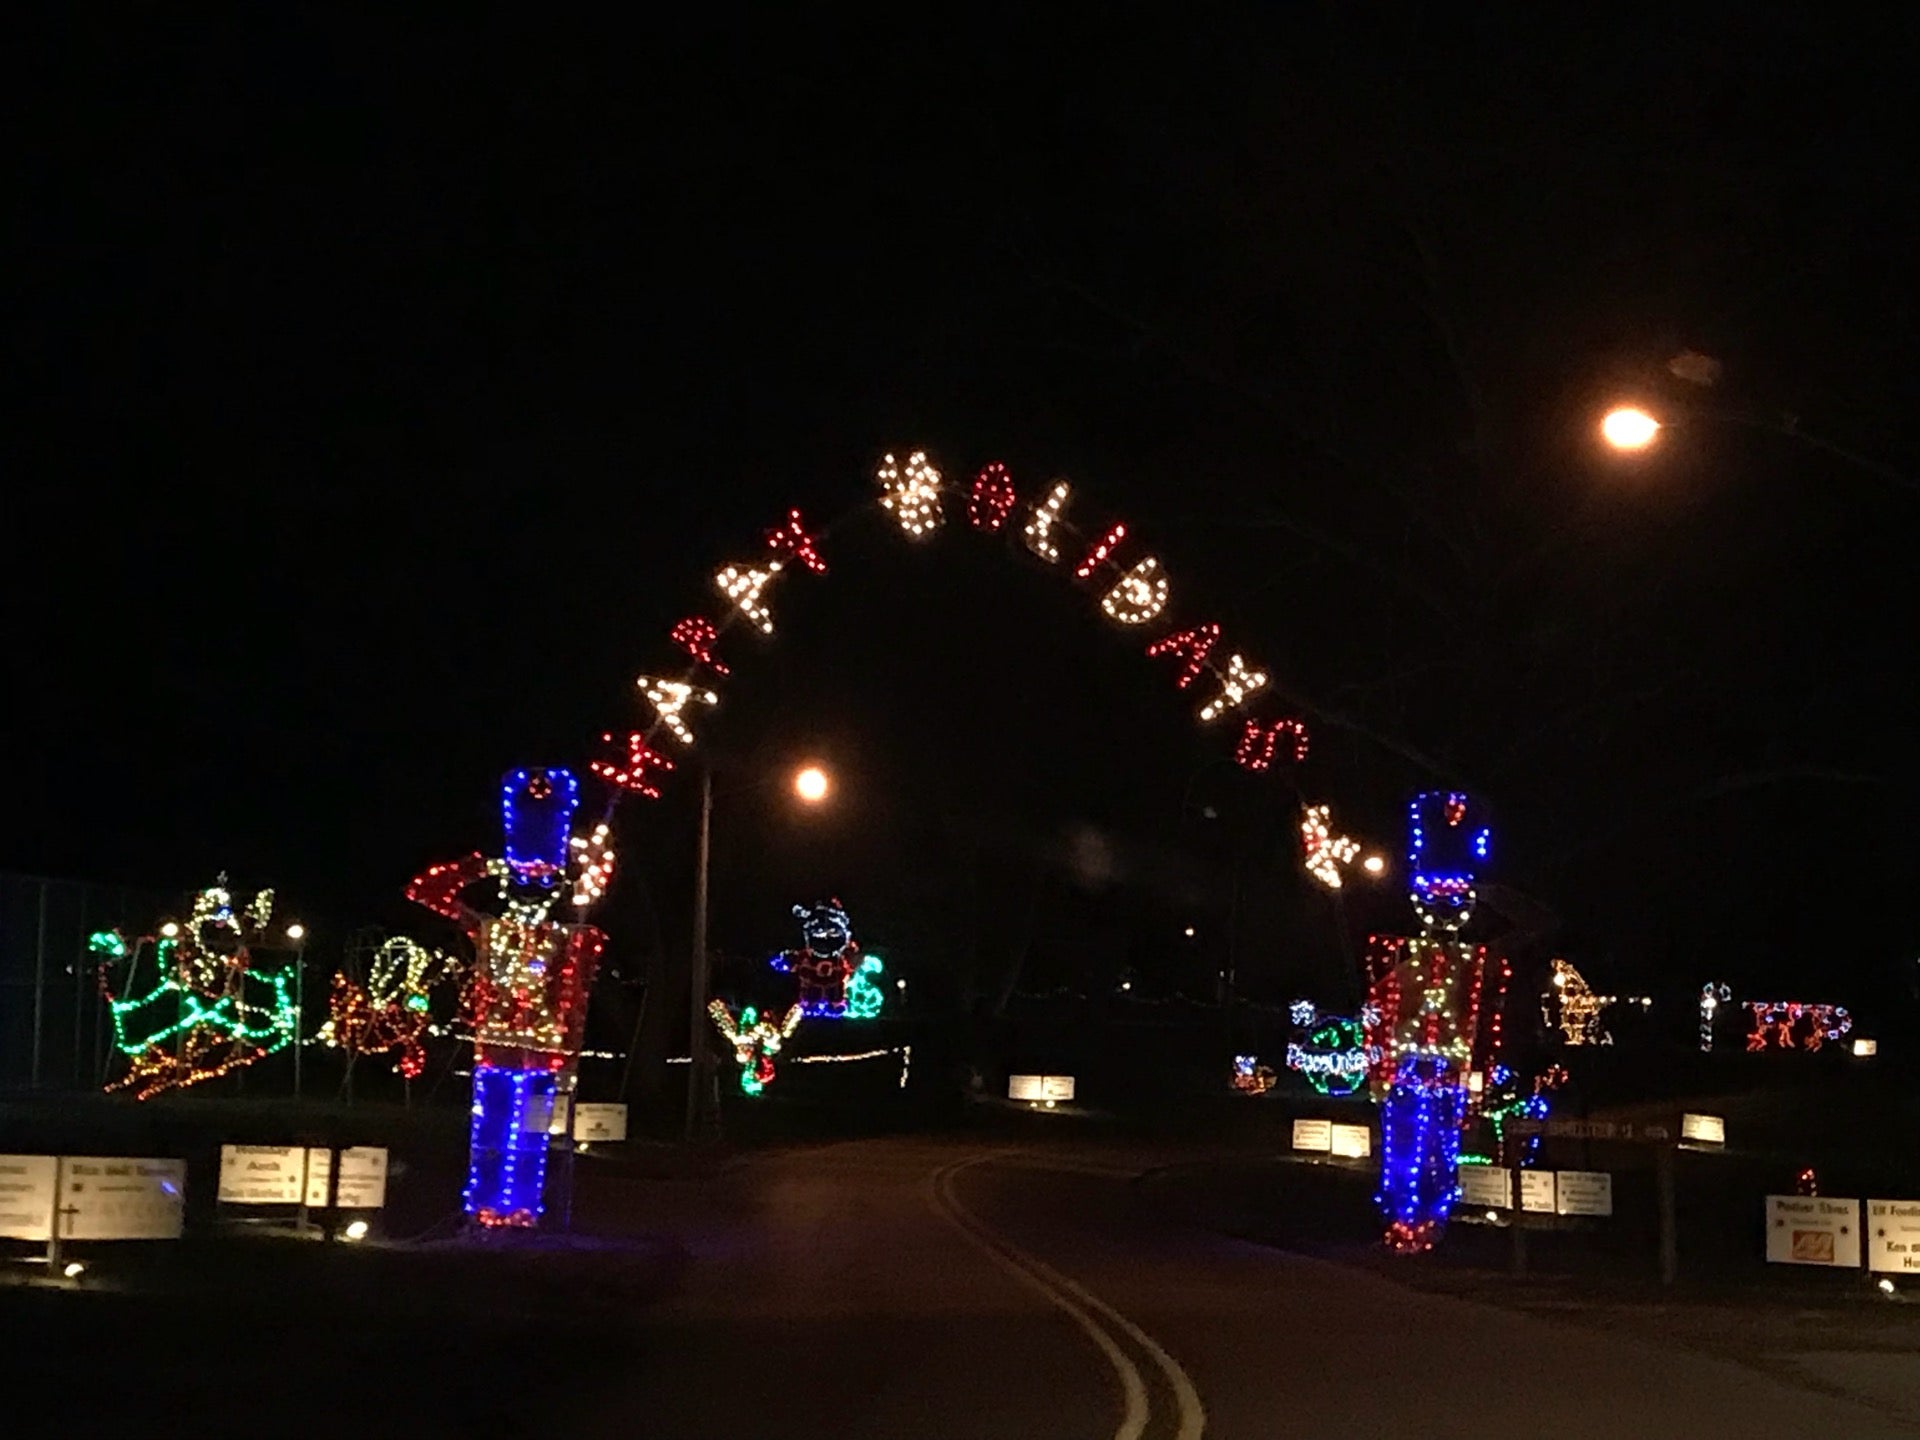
(864, 997)
(209, 1010)
(1335, 1056)
(108, 943)
(1505, 1101)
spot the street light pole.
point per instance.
(1630, 429)
(298, 934)
(700, 1067)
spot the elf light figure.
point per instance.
(836, 982)
(1426, 991)
(526, 998)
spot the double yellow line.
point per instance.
(1103, 1324)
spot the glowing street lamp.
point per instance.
(810, 786)
(1627, 427)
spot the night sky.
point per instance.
(384, 391)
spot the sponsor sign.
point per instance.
(1353, 1141)
(600, 1123)
(363, 1177)
(112, 1197)
(262, 1174)
(1483, 1187)
(1813, 1230)
(1704, 1129)
(1313, 1135)
(1582, 1192)
(26, 1196)
(1040, 1087)
(1893, 1236)
(1536, 1191)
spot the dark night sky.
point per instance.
(387, 389)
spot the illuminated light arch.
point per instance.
(1133, 590)
(1130, 585)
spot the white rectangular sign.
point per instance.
(262, 1174)
(1483, 1187)
(1582, 1192)
(1536, 1191)
(363, 1177)
(1704, 1129)
(1813, 1230)
(112, 1197)
(539, 1114)
(26, 1196)
(1353, 1141)
(1893, 1236)
(600, 1123)
(562, 1115)
(1313, 1135)
(1040, 1087)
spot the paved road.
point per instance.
(911, 1288)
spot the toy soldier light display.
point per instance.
(1425, 994)
(526, 997)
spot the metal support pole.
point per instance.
(1517, 1224)
(79, 986)
(299, 1006)
(1669, 1226)
(700, 1069)
(335, 1158)
(53, 1221)
(39, 986)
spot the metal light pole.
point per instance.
(1629, 429)
(298, 934)
(700, 1067)
(811, 785)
